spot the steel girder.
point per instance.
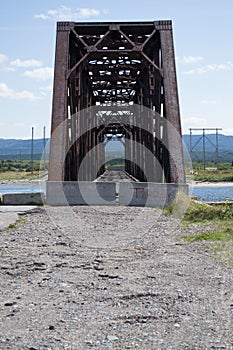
(102, 71)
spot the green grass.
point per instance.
(16, 225)
(211, 236)
(220, 242)
(19, 175)
(220, 235)
(224, 173)
(199, 212)
(19, 170)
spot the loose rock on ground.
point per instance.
(111, 278)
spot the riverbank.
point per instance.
(203, 191)
(22, 178)
(37, 182)
(211, 184)
(20, 182)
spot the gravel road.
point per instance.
(111, 278)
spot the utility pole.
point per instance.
(204, 149)
(217, 161)
(204, 138)
(20, 159)
(32, 151)
(190, 144)
(44, 153)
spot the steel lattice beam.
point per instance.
(115, 66)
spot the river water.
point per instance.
(203, 193)
(20, 189)
(212, 193)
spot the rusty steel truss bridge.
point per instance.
(115, 80)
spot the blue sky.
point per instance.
(203, 35)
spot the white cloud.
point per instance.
(222, 67)
(8, 69)
(87, 12)
(44, 73)
(189, 72)
(20, 125)
(193, 122)
(64, 13)
(210, 102)
(26, 63)
(3, 58)
(46, 89)
(215, 67)
(42, 16)
(191, 59)
(227, 131)
(9, 93)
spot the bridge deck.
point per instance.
(115, 176)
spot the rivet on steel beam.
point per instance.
(138, 48)
(91, 48)
(114, 27)
(64, 26)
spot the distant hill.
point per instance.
(12, 148)
(225, 142)
(225, 147)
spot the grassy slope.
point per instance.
(18, 175)
(224, 173)
(220, 235)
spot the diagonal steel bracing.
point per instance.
(104, 72)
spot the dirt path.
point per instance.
(110, 278)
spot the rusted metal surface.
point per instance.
(102, 71)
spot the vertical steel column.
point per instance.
(137, 149)
(102, 155)
(135, 168)
(176, 161)
(133, 137)
(132, 153)
(157, 100)
(157, 147)
(127, 152)
(58, 141)
(96, 169)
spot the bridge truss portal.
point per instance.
(115, 80)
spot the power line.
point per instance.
(205, 138)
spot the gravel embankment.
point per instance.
(111, 278)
